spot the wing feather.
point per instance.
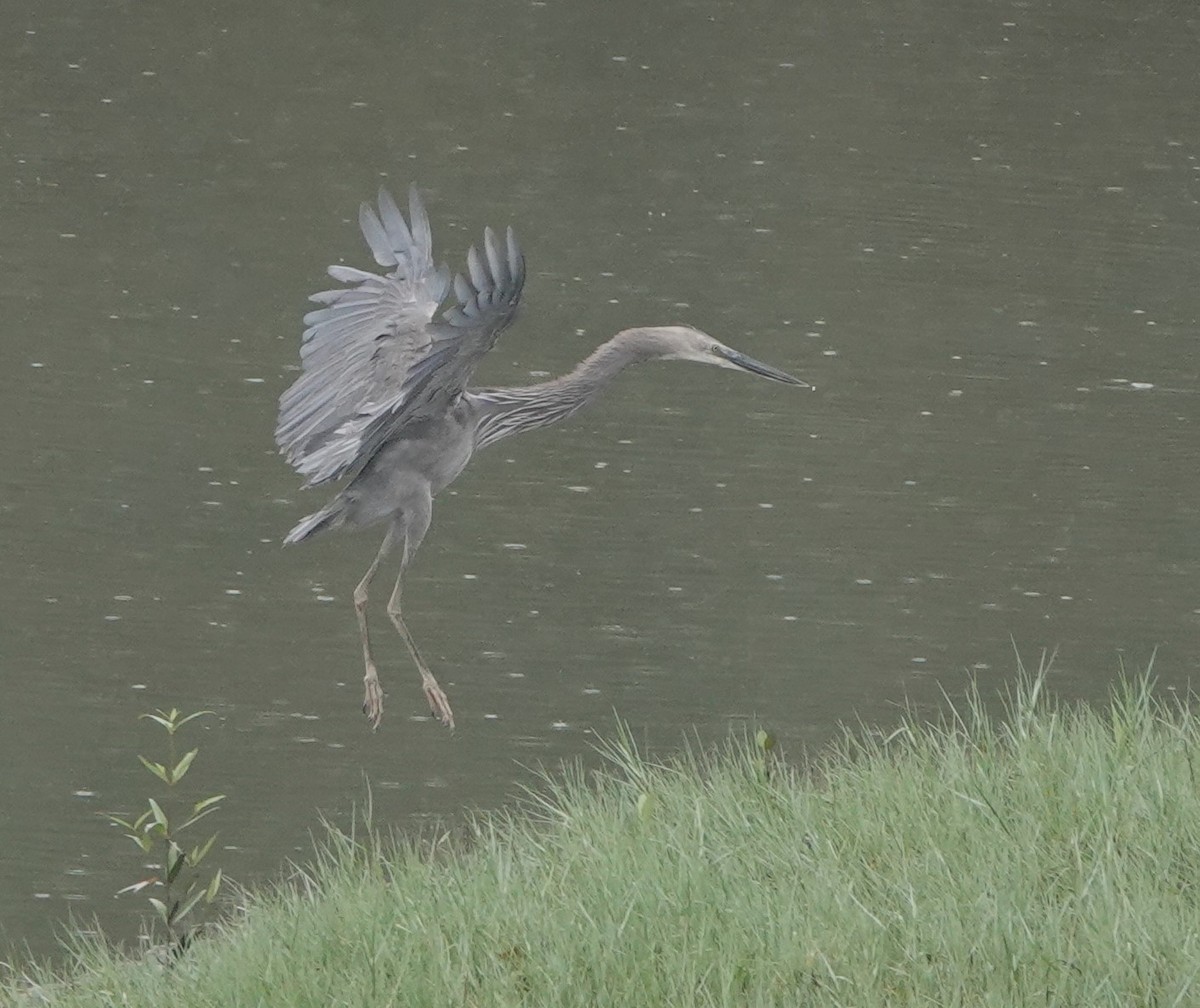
(392, 219)
(357, 346)
(377, 238)
(480, 279)
(496, 266)
(487, 306)
(374, 359)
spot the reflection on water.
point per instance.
(974, 233)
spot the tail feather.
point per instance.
(329, 517)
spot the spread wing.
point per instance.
(487, 303)
(373, 357)
(357, 349)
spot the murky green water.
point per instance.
(974, 227)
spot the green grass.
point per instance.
(1048, 856)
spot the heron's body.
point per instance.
(428, 458)
(383, 397)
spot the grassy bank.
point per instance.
(1048, 857)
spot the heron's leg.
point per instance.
(372, 691)
(417, 514)
(438, 702)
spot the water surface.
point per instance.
(974, 228)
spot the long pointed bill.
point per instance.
(759, 368)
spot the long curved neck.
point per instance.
(507, 411)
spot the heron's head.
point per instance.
(686, 343)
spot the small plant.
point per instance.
(159, 829)
(764, 742)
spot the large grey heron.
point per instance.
(383, 396)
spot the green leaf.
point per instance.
(192, 717)
(156, 831)
(196, 818)
(163, 720)
(161, 908)
(181, 768)
(189, 906)
(160, 817)
(214, 886)
(176, 861)
(157, 769)
(205, 802)
(200, 853)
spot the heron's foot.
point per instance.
(439, 705)
(372, 698)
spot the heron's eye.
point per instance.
(716, 349)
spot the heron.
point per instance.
(383, 398)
